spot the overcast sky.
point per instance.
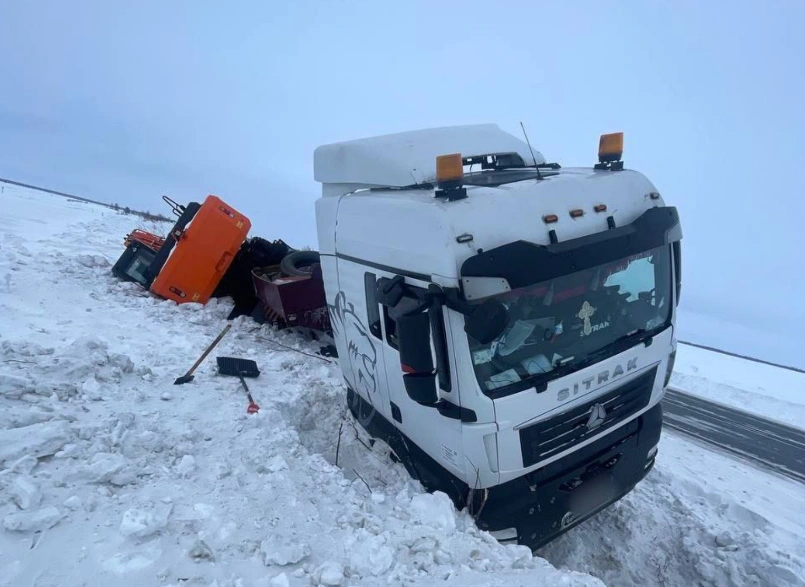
(124, 102)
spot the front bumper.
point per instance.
(549, 501)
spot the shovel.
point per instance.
(240, 368)
(253, 407)
(188, 377)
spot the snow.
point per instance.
(109, 473)
(765, 390)
(36, 520)
(329, 573)
(25, 492)
(37, 440)
(671, 524)
(435, 510)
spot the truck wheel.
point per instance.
(299, 263)
(362, 411)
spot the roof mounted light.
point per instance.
(449, 170)
(610, 151)
(450, 177)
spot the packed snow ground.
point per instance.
(110, 474)
(769, 391)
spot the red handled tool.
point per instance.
(240, 368)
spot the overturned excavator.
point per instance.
(207, 254)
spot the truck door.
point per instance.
(355, 316)
(436, 432)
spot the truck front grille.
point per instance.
(545, 439)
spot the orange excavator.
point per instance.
(206, 254)
(188, 264)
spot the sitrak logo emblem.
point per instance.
(598, 415)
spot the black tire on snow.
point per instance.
(299, 262)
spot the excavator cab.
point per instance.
(133, 264)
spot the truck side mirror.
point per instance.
(422, 388)
(389, 292)
(487, 321)
(416, 358)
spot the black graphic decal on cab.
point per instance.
(361, 355)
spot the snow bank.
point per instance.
(769, 391)
(110, 474)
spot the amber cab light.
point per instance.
(449, 170)
(550, 218)
(610, 147)
(600, 208)
(577, 213)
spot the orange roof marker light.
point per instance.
(450, 177)
(449, 170)
(610, 151)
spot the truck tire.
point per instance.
(362, 411)
(299, 262)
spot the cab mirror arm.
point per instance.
(452, 299)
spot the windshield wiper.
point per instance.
(569, 365)
(540, 380)
(638, 333)
(617, 346)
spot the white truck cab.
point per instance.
(504, 324)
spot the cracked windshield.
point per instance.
(564, 321)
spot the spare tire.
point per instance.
(299, 262)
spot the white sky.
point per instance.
(125, 102)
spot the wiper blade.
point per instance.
(541, 380)
(615, 346)
(637, 333)
(630, 334)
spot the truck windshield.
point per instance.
(561, 325)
